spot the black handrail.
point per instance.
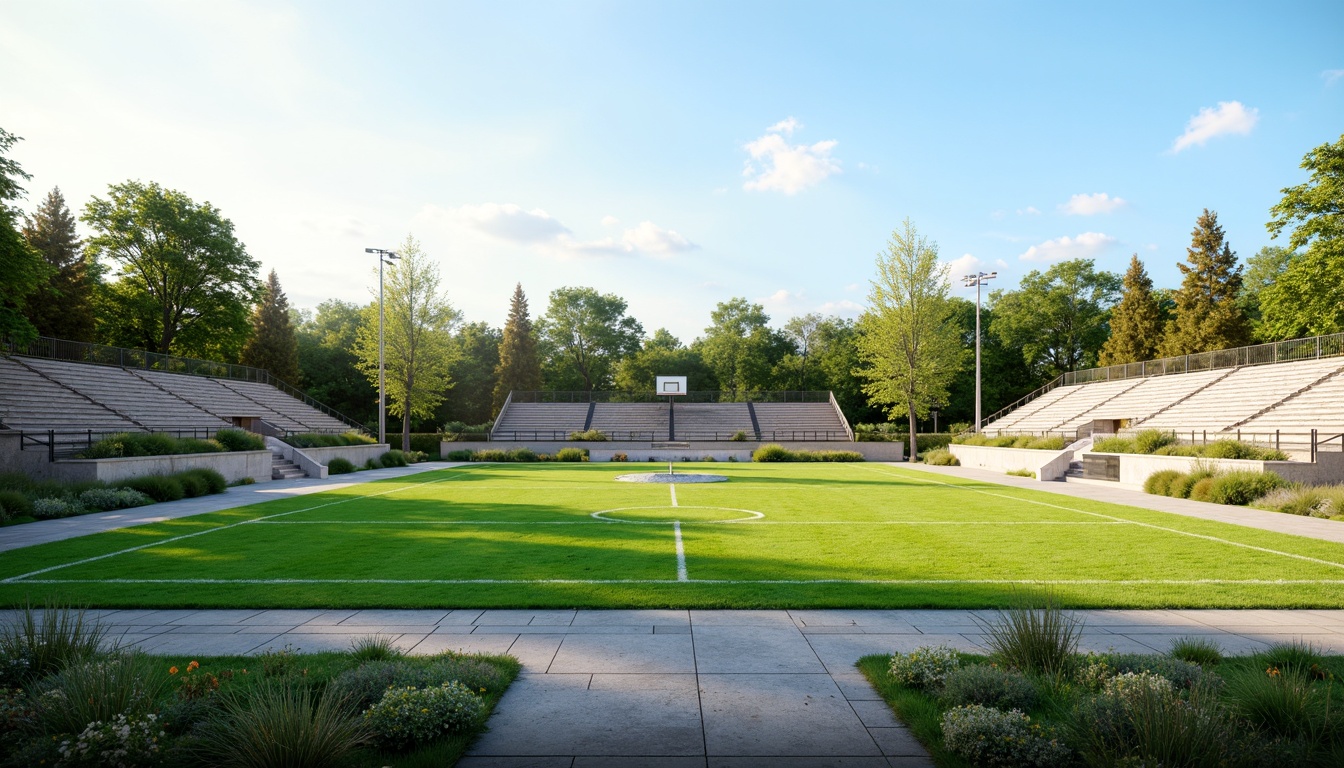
(698, 396)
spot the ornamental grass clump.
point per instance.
(374, 648)
(280, 725)
(1152, 440)
(772, 452)
(99, 689)
(571, 454)
(407, 717)
(941, 457)
(996, 739)
(925, 667)
(989, 685)
(340, 466)
(1242, 488)
(1035, 640)
(240, 440)
(106, 499)
(1197, 650)
(1159, 483)
(1146, 722)
(51, 638)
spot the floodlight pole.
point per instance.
(383, 258)
(978, 280)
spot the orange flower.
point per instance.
(172, 670)
(193, 666)
(1272, 672)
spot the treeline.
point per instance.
(161, 272)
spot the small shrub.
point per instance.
(1035, 640)
(393, 458)
(1200, 490)
(99, 689)
(591, 436)
(119, 741)
(619, 457)
(1292, 500)
(365, 685)
(1294, 657)
(459, 455)
(490, 454)
(1197, 650)
(1021, 441)
(52, 509)
(340, 466)
(925, 667)
(105, 499)
(571, 454)
(990, 737)
(1159, 482)
(192, 485)
(1147, 723)
(15, 503)
(279, 662)
(408, 716)
(1180, 673)
(1182, 484)
(157, 487)
(941, 458)
(374, 648)
(522, 454)
(240, 440)
(1021, 473)
(738, 437)
(373, 464)
(772, 452)
(1114, 445)
(1242, 488)
(1150, 440)
(51, 638)
(275, 724)
(1055, 443)
(832, 456)
(990, 686)
(192, 445)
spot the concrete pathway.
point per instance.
(43, 531)
(1096, 490)
(673, 688)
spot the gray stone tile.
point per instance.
(875, 714)
(607, 715)
(550, 629)
(884, 622)
(741, 618)
(361, 630)
(205, 645)
(215, 618)
(855, 686)
(470, 761)
(780, 714)
(645, 761)
(936, 621)
(1101, 643)
(330, 617)
(840, 652)
(811, 761)
(535, 652)
(462, 616)
(738, 648)
(636, 617)
(673, 629)
(521, 617)
(143, 618)
(399, 617)
(210, 629)
(898, 742)
(312, 643)
(454, 629)
(907, 761)
(494, 645)
(625, 654)
(289, 617)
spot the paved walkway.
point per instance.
(678, 688)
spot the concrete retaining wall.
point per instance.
(314, 461)
(234, 466)
(642, 451)
(1135, 468)
(1048, 465)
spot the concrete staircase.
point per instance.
(284, 469)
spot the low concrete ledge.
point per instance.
(720, 450)
(1135, 468)
(234, 466)
(1048, 465)
(355, 454)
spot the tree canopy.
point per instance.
(1136, 322)
(1207, 316)
(23, 268)
(475, 355)
(273, 344)
(326, 343)
(1059, 318)
(739, 348)
(519, 366)
(663, 354)
(62, 307)
(185, 285)
(584, 335)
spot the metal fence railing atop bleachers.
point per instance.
(599, 396)
(1290, 351)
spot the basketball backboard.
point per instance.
(671, 385)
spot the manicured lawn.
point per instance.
(775, 535)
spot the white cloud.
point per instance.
(1091, 205)
(1332, 75)
(1228, 117)
(1084, 246)
(777, 165)
(852, 287)
(511, 223)
(610, 221)
(654, 240)
(1030, 210)
(841, 308)
(966, 264)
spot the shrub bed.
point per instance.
(1240, 488)
(323, 440)
(520, 454)
(1158, 443)
(941, 458)
(1030, 442)
(23, 500)
(591, 436)
(777, 452)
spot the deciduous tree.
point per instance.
(326, 343)
(739, 348)
(185, 283)
(23, 269)
(1057, 318)
(519, 362)
(1136, 322)
(1208, 316)
(584, 335)
(273, 345)
(475, 359)
(909, 346)
(663, 354)
(418, 336)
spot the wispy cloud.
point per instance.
(1332, 75)
(1229, 117)
(1091, 205)
(1085, 246)
(1030, 210)
(776, 165)
(510, 223)
(966, 264)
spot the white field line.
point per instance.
(96, 558)
(609, 521)
(673, 488)
(681, 552)
(892, 582)
(1206, 537)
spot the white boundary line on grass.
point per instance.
(673, 489)
(752, 521)
(1206, 537)
(40, 571)
(681, 552)
(904, 582)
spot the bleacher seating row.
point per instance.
(689, 421)
(1294, 397)
(39, 394)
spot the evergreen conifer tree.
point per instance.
(273, 345)
(63, 307)
(519, 364)
(1208, 316)
(1136, 322)
(22, 269)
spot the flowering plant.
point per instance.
(123, 742)
(408, 716)
(925, 667)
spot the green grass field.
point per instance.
(775, 535)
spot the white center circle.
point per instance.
(751, 514)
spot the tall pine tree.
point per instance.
(273, 345)
(1136, 322)
(63, 307)
(1208, 316)
(519, 364)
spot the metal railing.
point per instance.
(65, 443)
(100, 354)
(645, 436)
(601, 396)
(1290, 351)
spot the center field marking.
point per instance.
(751, 515)
(96, 558)
(753, 521)
(673, 489)
(681, 552)
(1206, 537)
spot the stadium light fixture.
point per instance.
(384, 257)
(977, 280)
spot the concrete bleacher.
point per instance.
(712, 421)
(149, 406)
(1011, 420)
(799, 421)
(29, 401)
(1317, 408)
(1241, 395)
(305, 416)
(539, 421)
(1151, 396)
(631, 421)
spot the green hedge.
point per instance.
(776, 452)
(425, 442)
(1159, 443)
(323, 440)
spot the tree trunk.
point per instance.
(914, 435)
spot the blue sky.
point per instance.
(681, 153)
